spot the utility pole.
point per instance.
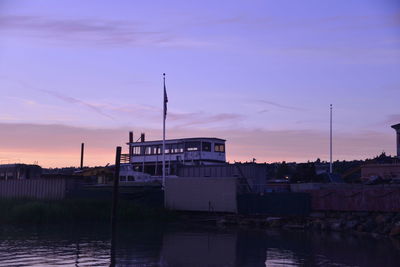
(82, 150)
(115, 204)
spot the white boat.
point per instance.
(146, 156)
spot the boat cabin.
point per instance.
(146, 156)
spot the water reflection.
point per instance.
(158, 245)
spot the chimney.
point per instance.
(130, 137)
(142, 137)
(397, 128)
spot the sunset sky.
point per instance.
(260, 74)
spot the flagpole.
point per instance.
(330, 145)
(163, 149)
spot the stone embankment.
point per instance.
(362, 222)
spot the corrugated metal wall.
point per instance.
(255, 174)
(35, 188)
(206, 194)
(357, 199)
(277, 204)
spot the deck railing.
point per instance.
(125, 158)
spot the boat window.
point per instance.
(148, 150)
(173, 148)
(167, 149)
(131, 178)
(180, 148)
(154, 150)
(192, 146)
(206, 146)
(176, 148)
(219, 148)
(136, 150)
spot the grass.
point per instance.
(75, 211)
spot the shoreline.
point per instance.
(370, 223)
(71, 211)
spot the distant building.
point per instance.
(20, 171)
(146, 156)
(385, 171)
(397, 128)
(321, 168)
(387, 167)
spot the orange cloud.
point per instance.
(59, 145)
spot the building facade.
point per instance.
(19, 171)
(397, 129)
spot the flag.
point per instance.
(165, 100)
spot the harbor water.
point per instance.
(182, 245)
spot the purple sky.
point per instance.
(260, 74)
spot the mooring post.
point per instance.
(115, 204)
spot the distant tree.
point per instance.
(305, 172)
(282, 171)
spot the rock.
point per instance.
(368, 226)
(395, 231)
(336, 226)
(324, 226)
(274, 221)
(383, 218)
(315, 224)
(375, 235)
(386, 229)
(396, 217)
(317, 215)
(221, 222)
(294, 226)
(380, 219)
(361, 213)
(350, 225)
(244, 222)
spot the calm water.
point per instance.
(147, 245)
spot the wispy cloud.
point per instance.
(132, 110)
(93, 31)
(73, 100)
(58, 145)
(263, 111)
(68, 99)
(200, 118)
(278, 105)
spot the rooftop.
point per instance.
(396, 126)
(180, 140)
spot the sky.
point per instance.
(260, 74)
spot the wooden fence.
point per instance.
(33, 189)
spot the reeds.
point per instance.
(77, 210)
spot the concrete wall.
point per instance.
(201, 194)
(35, 188)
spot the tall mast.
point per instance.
(163, 145)
(330, 141)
